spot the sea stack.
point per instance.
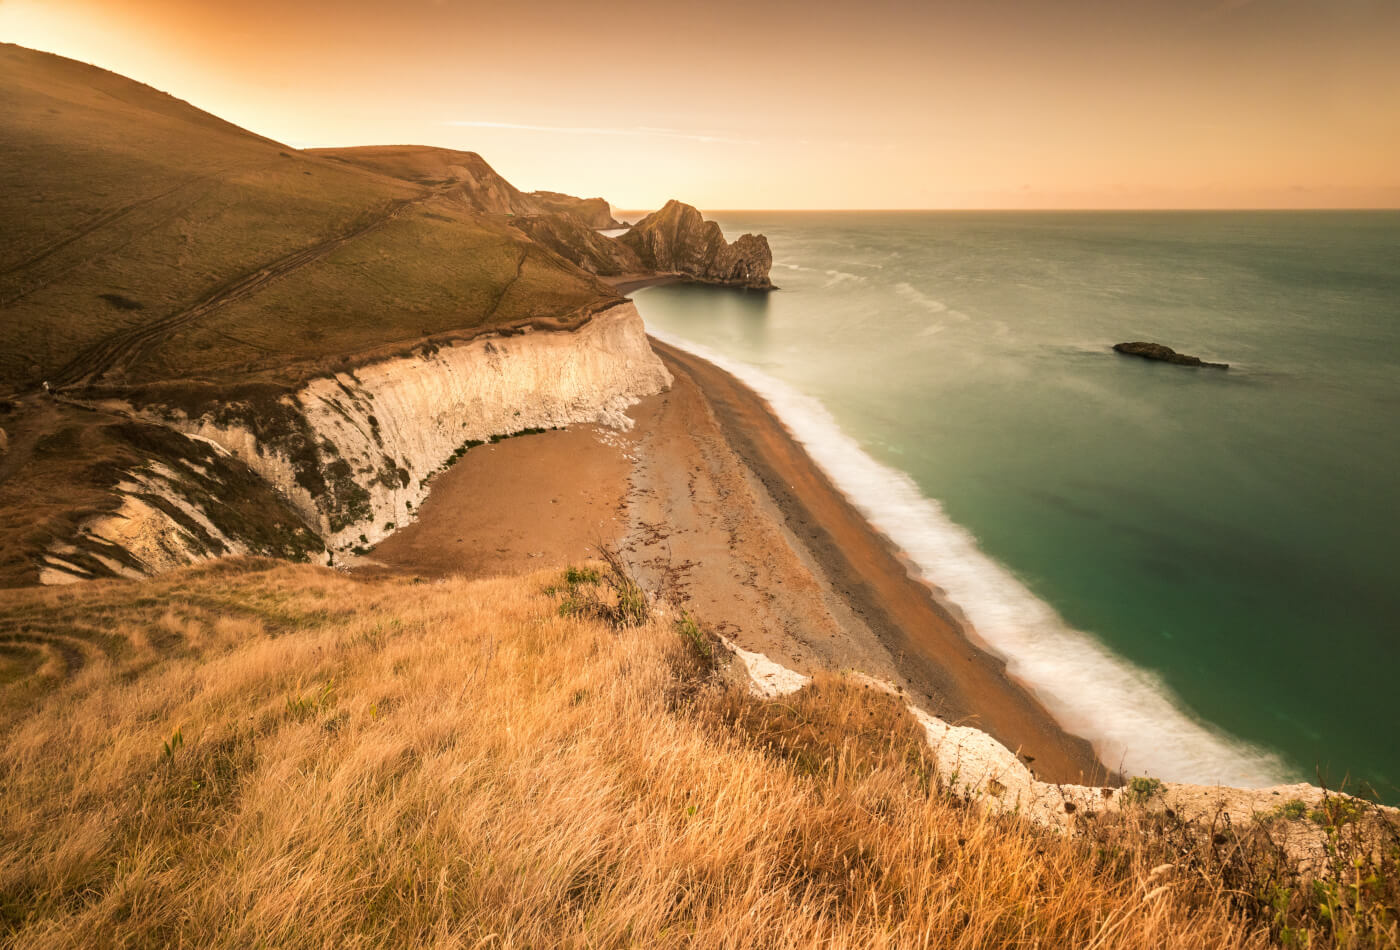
(1165, 354)
(678, 239)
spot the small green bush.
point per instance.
(612, 595)
(573, 576)
(1143, 788)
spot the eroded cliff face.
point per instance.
(178, 500)
(679, 240)
(580, 245)
(354, 452)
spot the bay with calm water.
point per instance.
(1194, 568)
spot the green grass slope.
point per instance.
(471, 179)
(146, 239)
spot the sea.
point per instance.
(1197, 569)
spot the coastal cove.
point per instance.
(427, 518)
(1177, 562)
(723, 515)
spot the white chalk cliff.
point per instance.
(974, 765)
(350, 456)
(389, 426)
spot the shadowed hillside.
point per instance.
(147, 240)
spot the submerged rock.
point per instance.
(678, 239)
(1156, 351)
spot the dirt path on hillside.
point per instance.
(126, 347)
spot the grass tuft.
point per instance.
(611, 594)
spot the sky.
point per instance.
(731, 104)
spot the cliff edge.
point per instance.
(579, 244)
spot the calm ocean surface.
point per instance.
(1197, 569)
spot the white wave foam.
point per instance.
(910, 292)
(1128, 713)
(834, 277)
(838, 276)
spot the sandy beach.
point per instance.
(722, 513)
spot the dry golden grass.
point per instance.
(255, 754)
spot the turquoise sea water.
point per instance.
(1197, 569)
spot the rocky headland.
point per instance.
(678, 239)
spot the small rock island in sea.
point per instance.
(1156, 351)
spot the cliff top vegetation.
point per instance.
(260, 753)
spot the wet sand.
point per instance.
(721, 512)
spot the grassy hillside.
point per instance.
(136, 225)
(436, 270)
(262, 754)
(472, 180)
(150, 247)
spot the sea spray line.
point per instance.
(834, 276)
(910, 292)
(1128, 713)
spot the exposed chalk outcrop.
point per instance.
(769, 680)
(354, 452)
(188, 501)
(971, 763)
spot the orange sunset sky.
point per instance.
(869, 104)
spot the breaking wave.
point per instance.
(1130, 714)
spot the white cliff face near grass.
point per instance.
(397, 422)
(143, 531)
(976, 766)
(177, 508)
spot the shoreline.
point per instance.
(626, 283)
(934, 653)
(723, 513)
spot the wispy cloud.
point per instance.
(1222, 9)
(639, 131)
